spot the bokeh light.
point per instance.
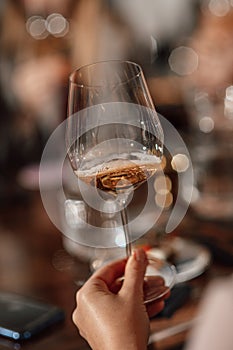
(180, 162)
(206, 124)
(163, 195)
(228, 102)
(219, 8)
(55, 24)
(164, 200)
(36, 27)
(183, 60)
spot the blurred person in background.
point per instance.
(33, 71)
(213, 43)
(42, 41)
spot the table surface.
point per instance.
(33, 263)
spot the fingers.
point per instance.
(134, 274)
(156, 306)
(109, 273)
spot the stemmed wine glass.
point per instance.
(115, 143)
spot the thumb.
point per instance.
(134, 273)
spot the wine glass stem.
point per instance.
(124, 218)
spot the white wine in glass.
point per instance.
(115, 140)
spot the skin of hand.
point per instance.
(116, 318)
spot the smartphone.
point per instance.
(22, 317)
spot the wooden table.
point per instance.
(34, 263)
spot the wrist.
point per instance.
(123, 344)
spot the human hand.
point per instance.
(113, 318)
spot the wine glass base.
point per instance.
(160, 277)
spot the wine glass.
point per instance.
(115, 143)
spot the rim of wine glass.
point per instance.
(74, 72)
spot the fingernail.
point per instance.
(140, 255)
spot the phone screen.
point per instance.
(22, 317)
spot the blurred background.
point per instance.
(43, 41)
(184, 47)
(185, 50)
